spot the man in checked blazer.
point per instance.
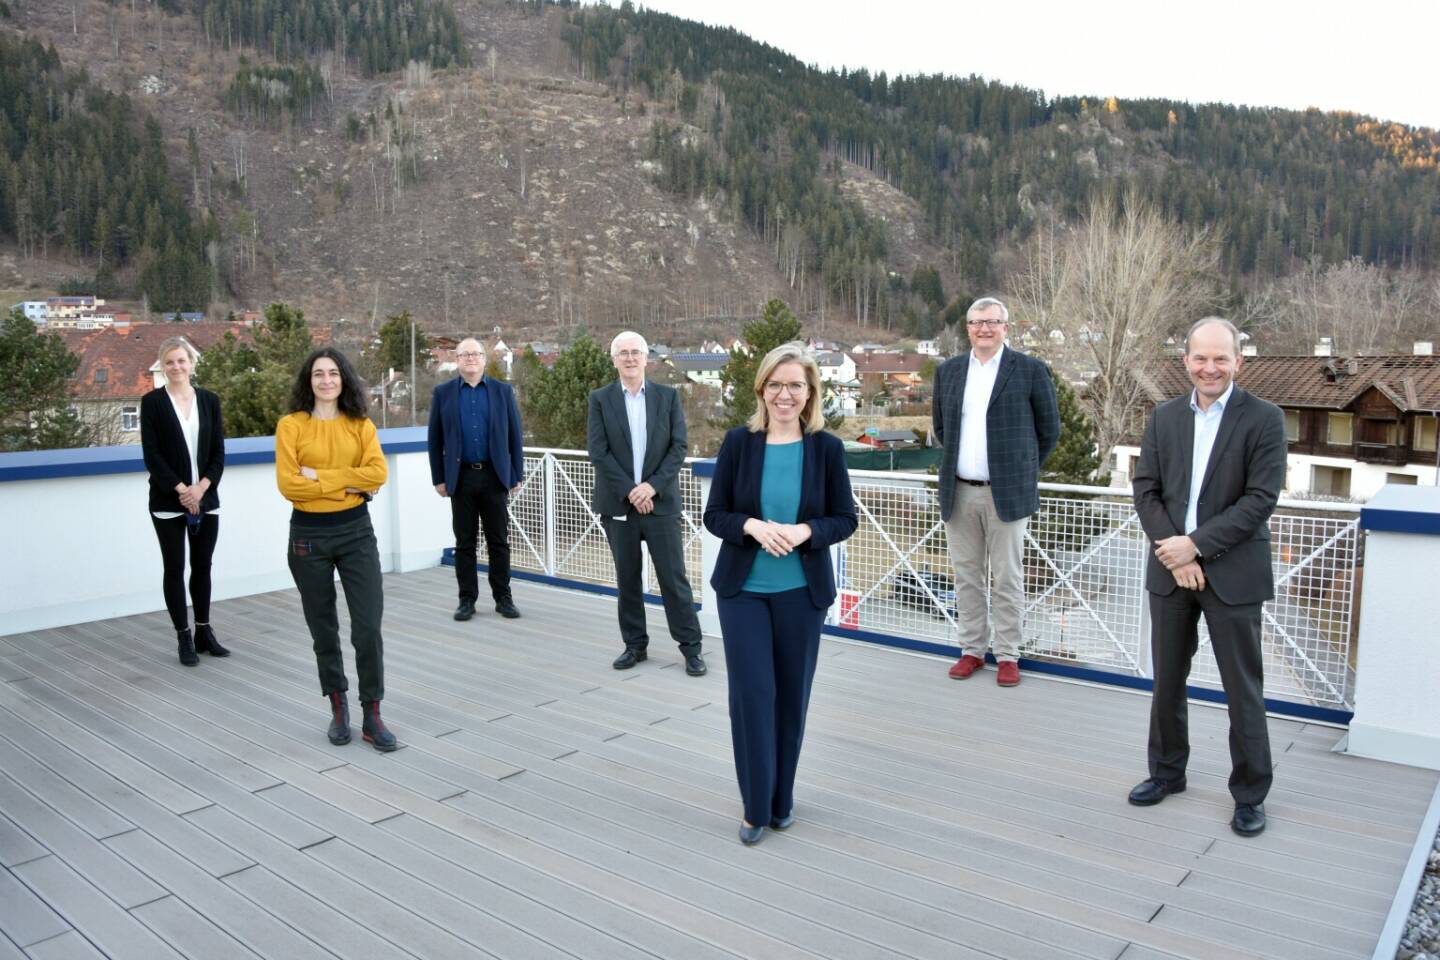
(996, 415)
(637, 443)
(1212, 463)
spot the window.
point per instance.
(1403, 479)
(1292, 425)
(1331, 482)
(1341, 430)
(102, 374)
(129, 418)
(1425, 433)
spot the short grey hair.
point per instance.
(984, 302)
(176, 343)
(624, 335)
(1219, 322)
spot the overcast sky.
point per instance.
(1377, 57)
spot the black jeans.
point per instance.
(172, 534)
(315, 553)
(479, 500)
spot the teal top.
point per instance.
(780, 502)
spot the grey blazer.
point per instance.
(1242, 482)
(666, 442)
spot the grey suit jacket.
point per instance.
(1242, 482)
(666, 442)
(1022, 426)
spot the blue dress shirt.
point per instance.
(474, 422)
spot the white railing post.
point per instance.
(550, 500)
(1398, 662)
(704, 471)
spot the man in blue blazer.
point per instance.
(477, 458)
(996, 414)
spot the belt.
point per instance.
(479, 465)
(974, 483)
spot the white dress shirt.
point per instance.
(1207, 425)
(635, 414)
(974, 460)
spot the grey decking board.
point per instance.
(17, 846)
(24, 917)
(74, 804)
(67, 946)
(339, 933)
(112, 929)
(190, 933)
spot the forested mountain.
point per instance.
(81, 171)
(986, 159)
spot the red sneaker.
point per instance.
(965, 666)
(1009, 673)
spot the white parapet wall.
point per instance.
(79, 545)
(1397, 671)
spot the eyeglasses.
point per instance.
(775, 387)
(470, 355)
(985, 323)
(629, 354)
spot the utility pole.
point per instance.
(413, 383)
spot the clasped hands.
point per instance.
(642, 497)
(1180, 557)
(777, 539)
(192, 494)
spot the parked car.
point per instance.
(908, 588)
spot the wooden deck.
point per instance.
(544, 805)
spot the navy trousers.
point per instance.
(772, 641)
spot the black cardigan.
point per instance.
(166, 457)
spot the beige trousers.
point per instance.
(981, 542)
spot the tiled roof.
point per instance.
(127, 354)
(1328, 383)
(888, 362)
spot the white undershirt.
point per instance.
(190, 429)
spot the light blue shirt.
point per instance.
(635, 414)
(1207, 425)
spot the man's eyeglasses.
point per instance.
(469, 355)
(984, 323)
(629, 354)
(775, 387)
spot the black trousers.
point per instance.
(667, 554)
(315, 554)
(479, 501)
(1235, 640)
(772, 643)
(172, 534)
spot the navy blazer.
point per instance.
(1022, 426)
(608, 440)
(1237, 495)
(825, 504)
(162, 445)
(507, 444)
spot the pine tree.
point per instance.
(557, 404)
(1074, 459)
(254, 379)
(34, 389)
(776, 325)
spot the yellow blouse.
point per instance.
(343, 452)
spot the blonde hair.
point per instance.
(812, 414)
(175, 343)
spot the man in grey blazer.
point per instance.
(996, 414)
(637, 443)
(1211, 467)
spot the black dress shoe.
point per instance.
(1249, 819)
(339, 732)
(187, 648)
(1152, 791)
(373, 729)
(694, 665)
(506, 609)
(751, 835)
(629, 658)
(466, 610)
(782, 823)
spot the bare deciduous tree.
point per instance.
(1359, 306)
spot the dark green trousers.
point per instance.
(315, 553)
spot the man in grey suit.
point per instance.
(1210, 471)
(996, 414)
(637, 444)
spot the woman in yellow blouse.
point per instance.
(328, 464)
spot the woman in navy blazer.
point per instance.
(779, 498)
(182, 440)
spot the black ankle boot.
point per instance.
(339, 732)
(205, 641)
(373, 728)
(187, 648)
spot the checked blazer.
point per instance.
(1022, 426)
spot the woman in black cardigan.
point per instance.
(183, 441)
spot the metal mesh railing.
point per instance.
(1085, 599)
(553, 531)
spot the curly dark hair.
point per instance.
(352, 400)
